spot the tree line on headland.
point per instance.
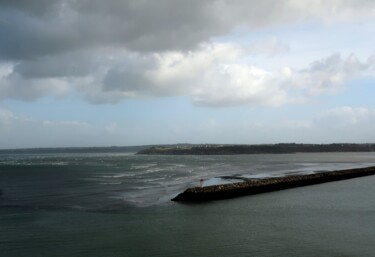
(284, 148)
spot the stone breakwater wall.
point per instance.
(218, 192)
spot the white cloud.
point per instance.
(214, 76)
(185, 65)
(210, 75)
(235, 84)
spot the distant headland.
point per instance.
(204, 149)
(286, 148)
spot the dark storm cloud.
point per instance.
(33, 28)
(42, 28)
(131, 81)
(26, 36)
(56, 66)
(35, 7)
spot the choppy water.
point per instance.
(119, 205)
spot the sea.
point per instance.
(119, 204)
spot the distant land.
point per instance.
(111, 149)
(204, 149)
(211, 149)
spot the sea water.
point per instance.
(119, 205)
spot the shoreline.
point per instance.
(227, 191)
(282, 148)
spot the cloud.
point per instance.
(240, 85)
(169, 73)
(212, 75)
(31, 29)
(328, 74)
(114, 50)
(14, 86)
(74, 64)
(61, 26)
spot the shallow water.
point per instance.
(119, 205)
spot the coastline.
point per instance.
(226, 191)
(282, 148)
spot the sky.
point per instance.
(122, 73)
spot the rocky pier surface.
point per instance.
(219, 192)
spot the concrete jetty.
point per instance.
(219, 192)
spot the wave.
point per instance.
(110, 183)
(143, 166)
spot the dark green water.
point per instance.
(118, 205)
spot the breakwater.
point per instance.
(219, 192)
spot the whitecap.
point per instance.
(144, 166)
